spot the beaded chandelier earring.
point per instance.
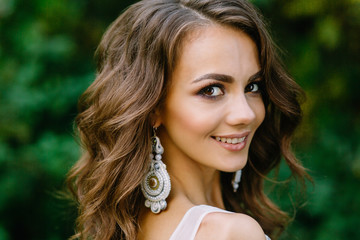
(156, 185)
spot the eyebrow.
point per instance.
(255, 76)
(224, 77)
(215, 76)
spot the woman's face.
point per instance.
(214, 103)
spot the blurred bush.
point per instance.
(322, 43)
(46, 62)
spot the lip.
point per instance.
(240, 135)
(233, 147)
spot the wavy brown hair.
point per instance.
(135, 56)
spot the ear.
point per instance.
(155, 118)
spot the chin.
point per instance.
(233, 168)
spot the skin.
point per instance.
(214, 92)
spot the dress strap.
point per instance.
(191, 221)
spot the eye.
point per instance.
(212, 91)
(253, 87)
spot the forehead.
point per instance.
(216, 48)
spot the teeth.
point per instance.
(230, 140)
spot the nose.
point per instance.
(240, 112)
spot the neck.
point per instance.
(195, 183)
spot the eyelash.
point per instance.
(259, 85)
(203, 90)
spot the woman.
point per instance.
(197, 85)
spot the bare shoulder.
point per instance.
(229, 226)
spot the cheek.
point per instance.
(259, 110)
(190, 118)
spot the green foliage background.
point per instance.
(46, 62)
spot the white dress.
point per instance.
(190, 223)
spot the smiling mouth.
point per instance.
(230, 140)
